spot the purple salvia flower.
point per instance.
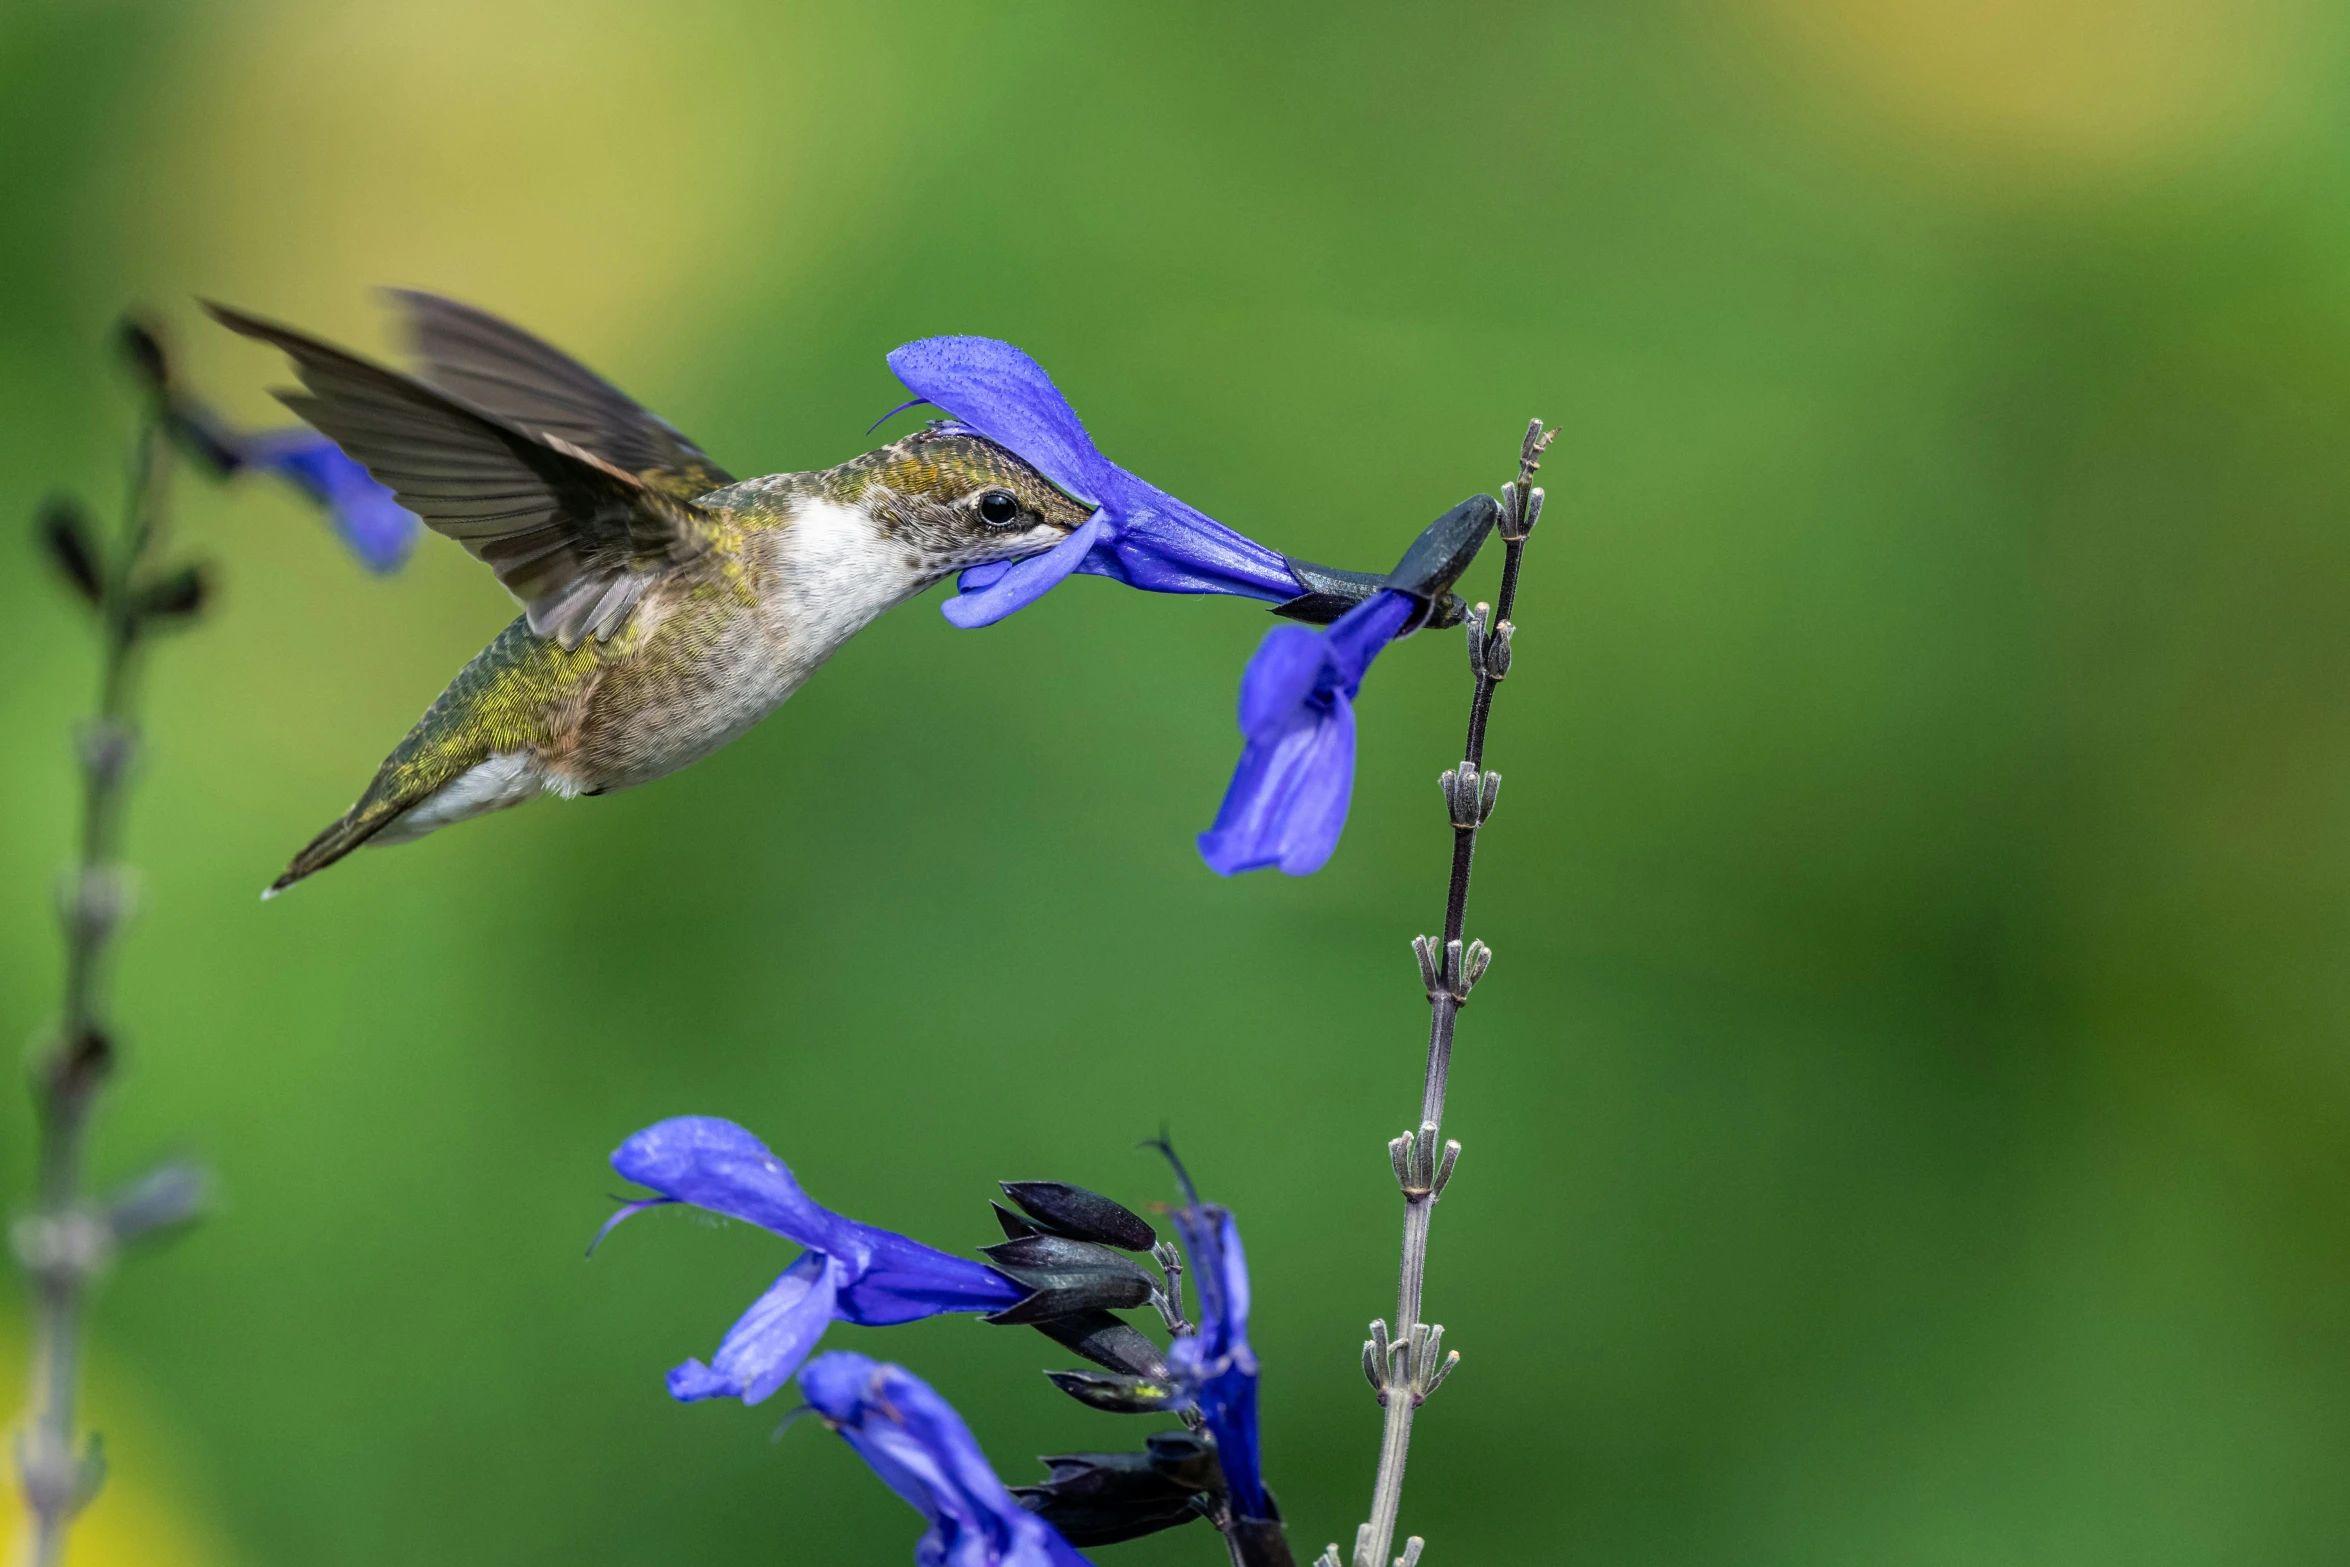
(1139, 534)
(1287, 801)
(373, 525)
(922, 1450)
(851, 1272)
(1216, 1363)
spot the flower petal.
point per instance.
(1219, 1354)
(1163, 545)
(716, 1165)
(1025, 581)
(1004, 395)
(903, 1280)
(1149, 540)
(923, 1451)
(768, 1342)
(986, 575)
(1279, 681)
(1357, 636)
(1287, 802)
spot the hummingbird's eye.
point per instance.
(997, 507)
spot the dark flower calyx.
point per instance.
(202, 436)
(1066, 1276)
(1106, 1341)
(1118, 1395)
(1103, 1498)
(1330, 592)
(175, 598)
(1427, 572)
(1445, 548)
(142, 345)
(1060, 1209)
(72, 548)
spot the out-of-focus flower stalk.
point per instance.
(1406, 1365)
(63, 1243)
(69, 1236)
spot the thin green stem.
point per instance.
(62, 1243)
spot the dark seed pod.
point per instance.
(1186, 1459)
(1067, 1276)
(1103, 1498)
(142, 345)
(1041, 1261)
(1116, 1394)
(176, 598)
(65, 533)
(1106, 1341)
(1060, 1300)
(1082, 1215)
(1012, 1224)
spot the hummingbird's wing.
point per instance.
(574, 537)
(504, 369)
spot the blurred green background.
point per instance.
(1906, 1120)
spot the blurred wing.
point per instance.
(541, 389)
(575, 538)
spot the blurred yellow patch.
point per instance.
(2066, 86)
(127, 1526)
(593, 168)
(137, 1519)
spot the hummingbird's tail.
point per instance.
(363, 822)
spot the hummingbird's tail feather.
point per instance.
(364, 821)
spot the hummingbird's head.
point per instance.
(959, 500)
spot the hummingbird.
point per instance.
(666, 606)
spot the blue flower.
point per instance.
(1216, 1362)
(922, 1450)
(1138, 534)
(1287, 801)
(851, 1272)
(371, 523)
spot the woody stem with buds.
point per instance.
(1404, 1368)
(66, 1239)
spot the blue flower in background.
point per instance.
(851, 1272)
(1216, 1362)
(920, 1447)
(374, 525)
(1139, 534)
(365, 515)
(1287, 801)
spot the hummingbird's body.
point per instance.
(668, 609)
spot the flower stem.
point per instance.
(1405, 1368)
(63, 1243)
